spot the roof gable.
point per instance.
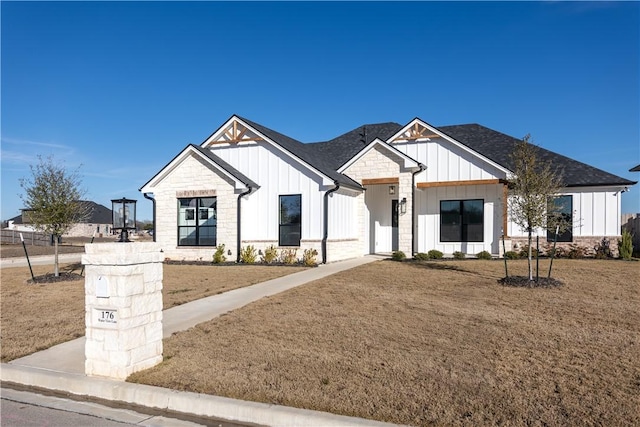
(408, 162)
(240, 180)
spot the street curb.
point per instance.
(188, 403)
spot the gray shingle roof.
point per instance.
(635, 169)
(328, 156)
(498, 147)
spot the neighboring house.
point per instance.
(99, 221)
(635, 169)
(375, 189)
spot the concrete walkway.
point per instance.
(39, 260)
(61, 367)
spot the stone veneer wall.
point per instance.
(588, 243)
(194, 175)
(123, 308)
(378, 164)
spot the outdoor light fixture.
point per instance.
(403, 205)
(392, 189)
(124, 217)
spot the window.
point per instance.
(290, 220)
(461, 220)
(563, 208)
(197, 221)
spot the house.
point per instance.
(98, 221)
(375, 189)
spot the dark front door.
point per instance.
(394, 225)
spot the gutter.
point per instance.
(413, 207)
(146, 196)
(325, 234)
(239, 221)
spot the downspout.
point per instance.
(326, 220)
(413, 207)
(146, 196)
(239, 222)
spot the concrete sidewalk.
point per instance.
(39, 260)
(61, 367)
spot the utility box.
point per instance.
(123, 308)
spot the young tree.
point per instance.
(53, 200)
(532, 190)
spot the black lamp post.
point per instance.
(124, 217)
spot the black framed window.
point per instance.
(562, 206)
(290, 226)
(197, 221)
(462, 220)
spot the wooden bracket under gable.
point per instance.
(235, 133)
(417, 131)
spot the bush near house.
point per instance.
(398, 256)
(484, 255)
(248, 255)
(309, 257)
(219, 256)
(421, 256)
(435, 254)
(459, 255)
(288, 256)
(625, 245)
(270, 255)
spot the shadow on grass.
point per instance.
(435, 265)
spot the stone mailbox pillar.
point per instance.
(123, 308)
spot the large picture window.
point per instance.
(563, 208)
(197, 221)
(462, 220)
(290, 220)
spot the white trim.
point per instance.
(409, 163)
(326, 180)
(177, 161)
(448, 138)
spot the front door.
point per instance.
(394, 225)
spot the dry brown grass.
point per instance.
(437, 343)
(36, 317)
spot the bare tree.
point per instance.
(53, 200)
(532, 191)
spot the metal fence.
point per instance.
(30, 238)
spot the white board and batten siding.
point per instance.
(448, 162)
(428, 218)
(277, 175)
(445, 162)
(595, 213)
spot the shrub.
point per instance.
(524, 252)
(602, 249)
(248, 255)
(434, 254)
(288, 256)
(484, 255)
(512, 255)
(421, 256)
(219, 256)
(576, 252)
(398, 256)
(270, 255)
(309, 257)
(459, 255)
(625, 245)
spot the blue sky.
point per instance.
(119, 88)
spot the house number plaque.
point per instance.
(105, 317)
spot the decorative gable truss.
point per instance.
(233, 132)
(415, 131)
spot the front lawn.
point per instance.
(430, 343)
